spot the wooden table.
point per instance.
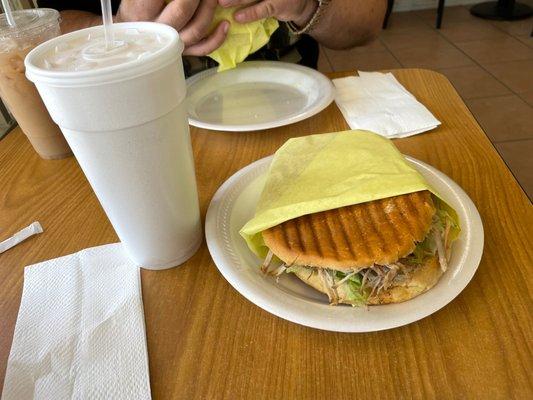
(206, 341)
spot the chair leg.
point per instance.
(440, 11)
(390, 4)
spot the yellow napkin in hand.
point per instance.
(242, 39)
(327, 171)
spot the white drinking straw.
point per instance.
(9, 13)
(107, 18)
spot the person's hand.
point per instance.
(191, 18)
(297, 11)
(140, 10)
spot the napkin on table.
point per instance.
(377, 102)
(80, 330)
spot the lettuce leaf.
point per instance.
(443, 216)
(353, 288)
(445, 212)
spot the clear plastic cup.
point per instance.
(124, 116)
(32, 28)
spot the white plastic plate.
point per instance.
(256, 95)
(234, 204)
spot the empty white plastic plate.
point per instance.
(256, 95)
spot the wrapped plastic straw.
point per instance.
(20, 236)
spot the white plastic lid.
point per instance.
(32, 26)
(28, 22)
(80, 58)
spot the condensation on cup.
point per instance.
(123, 114)
(32, 28)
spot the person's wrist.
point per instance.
(118, 17)
(306, 14)
(97, 20)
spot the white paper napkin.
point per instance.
(379, 103)
(80, 330)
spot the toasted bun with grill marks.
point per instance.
(357, 236)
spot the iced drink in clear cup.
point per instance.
(122, 111)
(32, 28)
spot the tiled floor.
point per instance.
(490, 64)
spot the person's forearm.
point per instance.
(73, 20)
(349, 23)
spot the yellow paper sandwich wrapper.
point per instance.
(242, 39)
(327, 171)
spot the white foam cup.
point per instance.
(127, 125)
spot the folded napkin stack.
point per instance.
(80, 330)
(377, 102)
